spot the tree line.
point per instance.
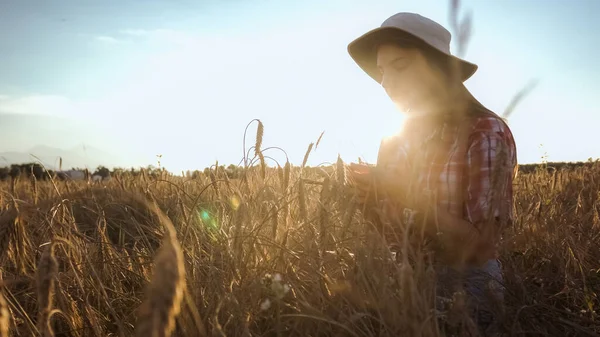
(232, 171)
(40, 173)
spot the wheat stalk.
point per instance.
(157, 314)
(257, 148)
(302, 200)
(47, 270)
(4, 312)
(7, 230)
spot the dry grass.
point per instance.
(277, 256)
(4, 315)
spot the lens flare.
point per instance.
(209, 221)
(204, 215)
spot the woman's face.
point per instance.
(408, 79)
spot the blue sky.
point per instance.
(182, 78)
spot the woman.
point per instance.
(454, 159)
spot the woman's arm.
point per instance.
(462, 241)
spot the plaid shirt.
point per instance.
(469, 166)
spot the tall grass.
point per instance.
(246, 260)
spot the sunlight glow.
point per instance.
(187, 90)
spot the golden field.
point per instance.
(284, 252)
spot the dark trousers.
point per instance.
(483, 292)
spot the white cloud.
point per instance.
(160, 36)
(108, 39)
(163, 35)
(37, 104)
(135, 32)
(174, 36)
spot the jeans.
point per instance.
(483, 289)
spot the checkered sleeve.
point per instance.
(490, 163)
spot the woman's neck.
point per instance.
(445, 104)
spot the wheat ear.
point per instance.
(47, 270)
(163, 296)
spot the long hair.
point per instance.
(461, 104)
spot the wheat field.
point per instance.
(278, 252)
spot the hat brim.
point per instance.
(363, 51)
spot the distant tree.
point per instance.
(4, 173)
(28, 170)
(102, 171)
(37, 171)
(15, 171)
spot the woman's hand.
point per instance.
(463, 241)
(362, 179)
(374, 180)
